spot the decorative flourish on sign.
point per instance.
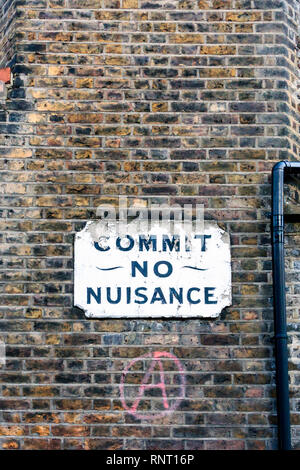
(194, 267)
(170, 403)
(110, 269)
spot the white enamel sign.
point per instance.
(154, 274)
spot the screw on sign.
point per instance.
(169, 402)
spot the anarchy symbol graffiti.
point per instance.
(169, 401)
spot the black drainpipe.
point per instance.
(279, 301)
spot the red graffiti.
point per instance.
(156, 361)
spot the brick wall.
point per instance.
(176, 101)
(7, 31)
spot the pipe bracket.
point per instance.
(281, 336)
(278, 237)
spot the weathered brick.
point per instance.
(180, 102)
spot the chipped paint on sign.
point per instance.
(150, 275)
